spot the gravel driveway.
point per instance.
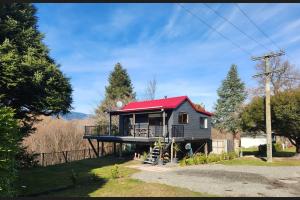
(225, 180)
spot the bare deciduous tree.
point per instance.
(54, 135)
(285, 79)
(151, 89)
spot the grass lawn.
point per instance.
(288, 152)
(279, 158)
(259, 162)
(94, 178)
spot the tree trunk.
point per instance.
(297, 144)
(298, 147)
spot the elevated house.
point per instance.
(142, 123)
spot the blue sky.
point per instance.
(162, 40)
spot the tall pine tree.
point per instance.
(119, 89)
(231, 97)
(30, 81)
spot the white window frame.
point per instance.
(205, 123)
(187, 117)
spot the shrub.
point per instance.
(201, 159)
(224, 156)
(115, 173)
(232, 155)
(196, 159)
(278, 147)
(145, 155)
(182, 162)
(189, 161)
(213, 158)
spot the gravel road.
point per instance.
(222, 180)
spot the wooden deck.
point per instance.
(131, 139)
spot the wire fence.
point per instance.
(54, 158)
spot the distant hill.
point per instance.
(75, 115)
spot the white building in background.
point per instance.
(249, 141)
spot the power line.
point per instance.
(211, 27)
(257, 27)
(235, 26)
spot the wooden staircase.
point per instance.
(153, 156)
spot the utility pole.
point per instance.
(267, 73)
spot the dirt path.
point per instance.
(228, 180)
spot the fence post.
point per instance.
(65, 154)
(43, 156)
(102, 148)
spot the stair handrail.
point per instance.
(198, 149)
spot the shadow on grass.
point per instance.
(281, 154)
(58, 178)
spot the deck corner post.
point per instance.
(133, 118)
(164, 123)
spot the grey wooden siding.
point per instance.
(192, 128)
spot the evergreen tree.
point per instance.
(119, 84)
(9, 146)
(31, 82)
(231, 96)
(119, 89)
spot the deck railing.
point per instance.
(101, 130)
(137, 130)
(178, 130)
(146, 130)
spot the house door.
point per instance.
(127, 124)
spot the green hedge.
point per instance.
(200, 158)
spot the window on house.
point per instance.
(183, 118)
(203, 122)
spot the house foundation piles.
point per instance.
(102, 148)
(120, 150)
(94, 149)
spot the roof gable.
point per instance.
(166, 103)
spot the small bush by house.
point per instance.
(200, 158)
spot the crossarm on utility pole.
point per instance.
(267, 73)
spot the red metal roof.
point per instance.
(166, 103)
